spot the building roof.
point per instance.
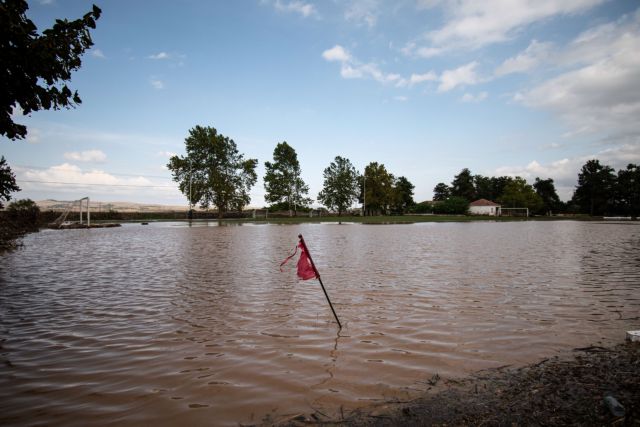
(483, 202)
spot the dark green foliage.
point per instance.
(35, 67)
(24, 212)
(519, 194)
(462, 185)
(379, 189)
(403, 194)
(421, 208)
(441, 192)
(340, 188)
(594, 193)
(547, 192)
(628, 190)
(454, 205)
(282, 180)
(219, 174)
(7, 182)
(483, 187)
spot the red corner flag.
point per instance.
(305, 269)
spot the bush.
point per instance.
(452, 206)
(24, 214)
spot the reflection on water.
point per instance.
(171, 324)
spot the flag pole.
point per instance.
(304, 246)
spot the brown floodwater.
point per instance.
(168, 324)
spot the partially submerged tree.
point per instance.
(340, 188)
(282, 180)
(441, 192)
(378, 189)
(462, 185)
(7, 182)
(547, 192)
(628, 190)
(519, 194)
(35, 68)
(213, 172)
(595, 190)
(403, 194)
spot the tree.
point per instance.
(547, 192)
(628, 190)
(519, 194)
(454, 205)
(35, 67)
(282, 179)
(378, 188)
(7, 182)
(441, 192)
(462, 185)
(340, 188)
(498, 184)
(594, 192)
(213, 172)
(483, 187)
(403, 194)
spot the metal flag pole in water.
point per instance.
(315, 270)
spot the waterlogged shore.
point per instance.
(563, 390)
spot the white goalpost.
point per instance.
(514, 212)
(80, 202)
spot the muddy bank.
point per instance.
(564, 390)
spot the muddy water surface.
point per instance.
(168, 324)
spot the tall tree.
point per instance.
(282, 180)
(7, 182)
(483, 187)
(441, 192)
(35, 68)
(519, 194)
(462, 185)
(340, 188)
(547, 192)
(403, 194)
(213, 172)
(628, 190)
(594, 192)
(378, 188)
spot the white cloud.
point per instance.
(160, 55)
(471, 24)
(351, 68)
(469, 97)
(401, 98)
(461, 76)
(426, 77)
(336, 53)
(95, 156)
(33, 135)
(534, 55)
(296, 6)
(97, 53)
(363, 12)
(166, 154)
(156, 83)
(599, 94)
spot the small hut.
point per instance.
(484, 207)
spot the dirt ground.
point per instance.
(567, 390)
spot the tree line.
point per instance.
(600, 191)
(214, 173)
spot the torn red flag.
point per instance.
(305, 269)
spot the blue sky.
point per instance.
(426, 87)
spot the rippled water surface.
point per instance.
(169, 324)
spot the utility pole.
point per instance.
(364, 192)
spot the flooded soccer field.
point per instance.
(174, 324)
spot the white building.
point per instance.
(484, 207)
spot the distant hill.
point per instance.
(97, 206)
